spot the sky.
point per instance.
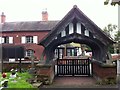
(30, 10)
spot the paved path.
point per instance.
(69, 81)
(76, 83)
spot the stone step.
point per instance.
(37, 84)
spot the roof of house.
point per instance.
(29, 26)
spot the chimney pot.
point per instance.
(3, 18)
(45, 15)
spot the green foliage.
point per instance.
(19, 81)
(107, 81)
(112, 2)
(109, 29)
(88, 48)
(111, 49)
(117, 36)
(117, 39)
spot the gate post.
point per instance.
(103, 71)
(118, 73)
(45, 73)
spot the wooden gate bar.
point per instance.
(74, 67)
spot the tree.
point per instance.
(110, 31)
(117, 39)
(113, 2)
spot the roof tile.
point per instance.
(29, 25)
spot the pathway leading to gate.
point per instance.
(69, 81)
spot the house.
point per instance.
(26, 33)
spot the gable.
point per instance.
(77, 22)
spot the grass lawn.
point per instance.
(19, 81)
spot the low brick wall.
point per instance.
(45, 71)
(7, 66)
(104, 71)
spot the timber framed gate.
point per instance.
(74, 67)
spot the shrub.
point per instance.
(107, 81)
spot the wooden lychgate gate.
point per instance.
(74, 67)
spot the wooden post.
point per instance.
(20, 65)
(1, 65)
(118, 73)
(32, 61)
(119, 25)
(1, 60)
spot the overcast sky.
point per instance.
(30, 10)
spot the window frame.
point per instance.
(29, 39)
(29, 53)
(6, 39)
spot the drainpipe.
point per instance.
(118, 73)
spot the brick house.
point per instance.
(26, 34)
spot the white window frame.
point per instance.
(23, 39)
(87, 32)
(79, 28)
(29, 39)
(0, 40)
(10, 40)
(32, 39)
(35, 39)
(63, 33)
(29, 52)
(71, 30)
(5, 40)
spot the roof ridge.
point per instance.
(32, 21)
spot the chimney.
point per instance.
(45, 15)
(3, 18)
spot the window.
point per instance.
(71, 30)
(86, 33)
(63, 33)
(29, 39)
(29, 53)
(6, 39)
(79, 28)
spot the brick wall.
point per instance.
(45, 71)
(17, 40)
(8, 66)
(103, 72)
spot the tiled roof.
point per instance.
(29, 26)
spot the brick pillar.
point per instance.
(104, 71)
(45, 71)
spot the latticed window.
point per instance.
(29, 39)
(6, 39)
(29, 53)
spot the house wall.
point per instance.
(17, 40)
